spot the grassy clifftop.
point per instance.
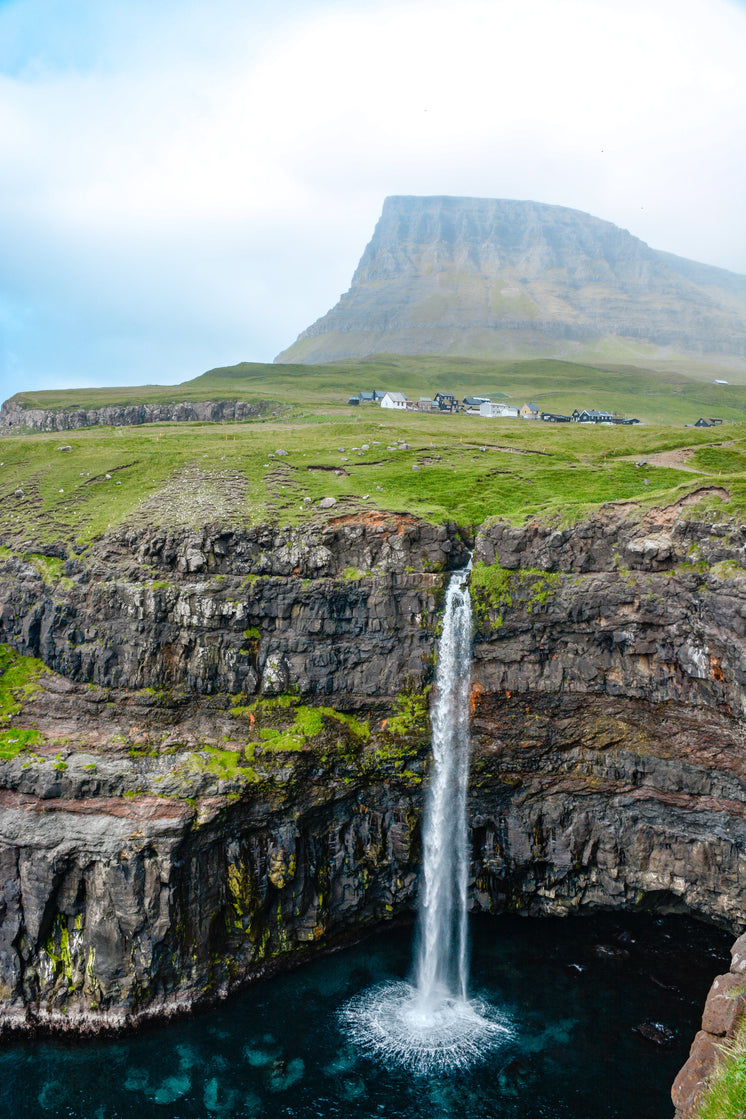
(557, 386)
(439, 467)
(75, 487)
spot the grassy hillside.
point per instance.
(438, 467)
(481, 343)
(653, 396)
(456, 467)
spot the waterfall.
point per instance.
(442, 962)
(431, 1024)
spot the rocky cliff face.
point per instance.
(481, 277)
(225, 769)
(14, 418)
(151, 608)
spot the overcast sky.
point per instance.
(186, 184)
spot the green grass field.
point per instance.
(555, 386)
(456, 468)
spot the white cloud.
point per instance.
(180, 179)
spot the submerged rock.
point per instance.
(657, 1032)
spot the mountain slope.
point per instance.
(487, 277)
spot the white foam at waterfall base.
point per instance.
(431, 1024)
(392, 1024)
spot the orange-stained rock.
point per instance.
(475, 695)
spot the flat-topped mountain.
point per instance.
(488, 277)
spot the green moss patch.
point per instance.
(412, 714)
(495, 589)
(283, 724)
(12, 742)
(19, 678)
(229, 765)
(57, 948)
(401, 736)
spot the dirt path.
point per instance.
(677, 460)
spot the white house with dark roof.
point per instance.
(493, 409)
(394, 400)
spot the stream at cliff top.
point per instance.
(575, 991)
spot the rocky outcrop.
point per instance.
(226, 773)
(482, 277)
(724, 1012)
(15, 418)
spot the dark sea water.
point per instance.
(574, 992)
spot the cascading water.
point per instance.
(442, 962)
(432, 1024)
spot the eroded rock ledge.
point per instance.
(184, 814)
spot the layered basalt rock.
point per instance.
(116, 910)
(592, 802)
(216, 611)
(158, 850)
(14, 418)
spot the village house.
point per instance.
(425, 404)
(529, 412)
(394, 400)
(494, 409)
(554, 418)
(591, 416)
(446, 401)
